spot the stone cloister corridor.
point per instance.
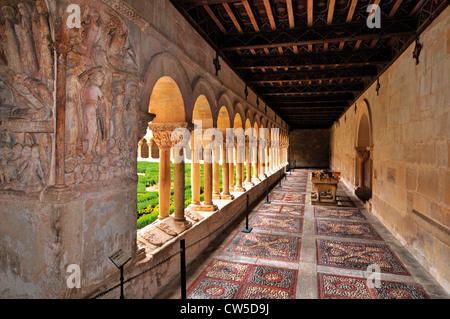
(335, 110)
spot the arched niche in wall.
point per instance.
(364, 152)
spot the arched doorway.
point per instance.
(364, 153)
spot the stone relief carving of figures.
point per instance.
(28, 66)
(45, 52)
(26, 39)
(24, 162)
(101, 108)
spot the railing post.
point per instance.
(279, 186)
(247, 229)
(183, 268)
(267, 191)
(121, 283)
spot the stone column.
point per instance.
(262, 150)
(230, 150)
(216, 172)
(225, 174)
(362, 154)
(162, 136)
(164, 145)
(269, 158)
(255, 177)
(208, 204)
(59, 191)
(239, 148)
(195, 172)
(248, 164)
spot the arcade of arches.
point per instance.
(87, 103)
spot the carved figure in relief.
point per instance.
(11, 46)
(30, 173)
(26, 40)
(93, 114)
(28, 72)
(45, 43)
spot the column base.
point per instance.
(173, 227)
(226, 196)
(216, 196)
(262, 176)
(183, 224)
(239, 189)
(58, 194)
(195, 206)
(208, 208)
(255, 180)
(249, 184)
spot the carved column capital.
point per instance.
(362, 153)
(162, 133)
(62, 48)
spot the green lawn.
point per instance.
(147, 201)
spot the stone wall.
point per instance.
(310, 148)
(409, 123)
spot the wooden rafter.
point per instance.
(249, 11)
(290, 14)
(232, 16)
(395, 8)
(351, 10)
(331, 4)
(213, 16)
(270, 14)
(310, 7)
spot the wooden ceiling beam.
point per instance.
(316, 35)
(270, 14)
(331, 5)
(215, 19)
(250, 14)
(310, 11)
(395, 8)
(351, 10)
(232, 16)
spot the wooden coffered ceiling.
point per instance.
(308, 60)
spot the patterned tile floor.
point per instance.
(299, 251)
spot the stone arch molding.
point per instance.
(363, 110)
(224, 100)
(164, 64)
(201, 86)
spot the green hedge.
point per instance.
(148, 201)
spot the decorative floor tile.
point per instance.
(344, 287)
(358, 256)
(245, 282)
(213, 289)
(346, 229)
(257, 292)
(327, 212)
(276, 277)
(277, 247)
(276, 223)
(228, 271)
(280, 209)
(398, 290)
(287, 197)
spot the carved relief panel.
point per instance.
(26, 95)
(101, 98)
